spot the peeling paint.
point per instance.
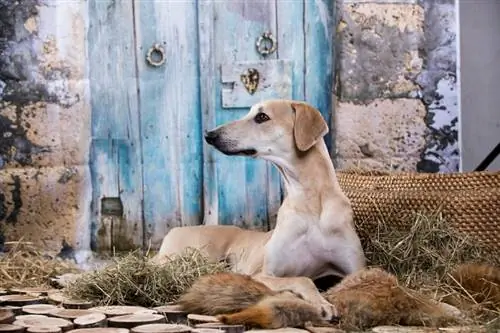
(439, 88)
(399, 51)
(44, 124)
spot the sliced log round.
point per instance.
(6, 317)
(44, 329)
(17, 310)
(173, 313)
(161, 328)
(195, 319)
(69, 314)
(118, 310)
(39, 309)
(169, 307)
(68, 303)
(34, 290)
(25, 317)
(129, 321)
(225, 328)
(20, 300)
(76, 304)
(96, 319)
(100, 330)
(64, 324)
(9, 328)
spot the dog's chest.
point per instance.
(296, 256)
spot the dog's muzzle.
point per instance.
(226, 146)
(211, 137)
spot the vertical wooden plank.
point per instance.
(129, 234)
(208, 94)
(103, 166)
(319, 58)
(170, 115)
(291, 45)
(113, 89)
(242, 182)
(111, 67)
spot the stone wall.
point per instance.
(396, 92)
(44, 123)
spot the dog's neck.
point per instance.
(310, 172)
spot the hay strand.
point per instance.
(134, 280)
(25, 265)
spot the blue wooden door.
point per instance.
(239, 190)
(150, 168)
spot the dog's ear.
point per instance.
(309, 126)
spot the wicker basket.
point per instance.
(470, 202)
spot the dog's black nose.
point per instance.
(211, 137)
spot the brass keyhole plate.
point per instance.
(250, 79)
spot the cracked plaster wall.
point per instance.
(396, 91)
(44, 123)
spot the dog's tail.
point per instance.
(260, 316)
(481, 282)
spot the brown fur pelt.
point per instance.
(374, 297)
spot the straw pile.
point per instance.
(134, 280)
(422, 251)
(25, 265)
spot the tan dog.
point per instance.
(314, 234)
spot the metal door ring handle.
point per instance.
(262, 44)
(156, 51)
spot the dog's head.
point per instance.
(273, 128)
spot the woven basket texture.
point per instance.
(469, 201)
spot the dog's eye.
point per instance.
(261, 117)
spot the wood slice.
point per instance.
(161, 328)
(64, 324)
(169, 307)
(68, 303)
(70, 314)
(39, 309)
(56, 297)
(96, 319)
(9, 328)
(132, 320)
(77, 304)
(24, 317)
(44, 329)
(43, 291)
(20, 300)
(195, 319)
(173, 313)
(6, 317)
(225, 328)
(118, 310)
(206, 330)
(17, 310)
(100, 330)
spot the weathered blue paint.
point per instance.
(103, 165)
(115, 159)
(275, 82)
(242, 182)
(148, 122)
(170, 116)
(208, 98)
(319, 42)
